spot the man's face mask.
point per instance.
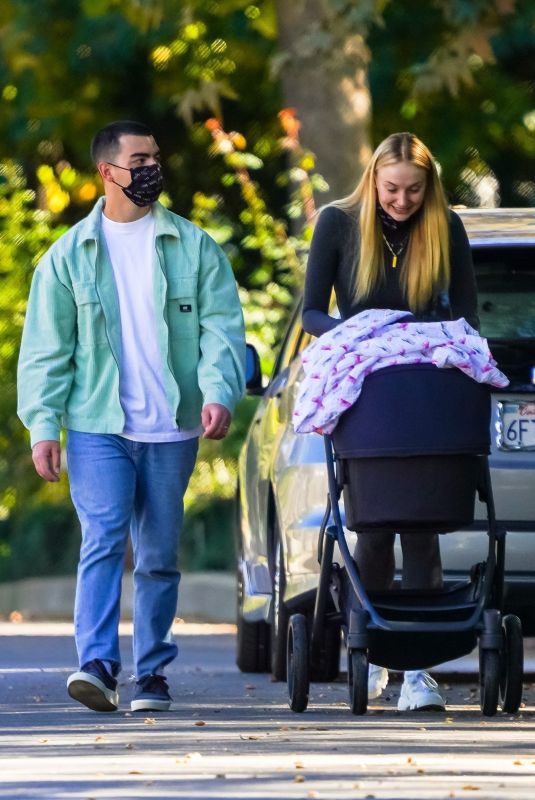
(146, 185)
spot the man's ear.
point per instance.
(104, 171)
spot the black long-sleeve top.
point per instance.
(333, 262)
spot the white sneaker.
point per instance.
(419, 692)
(377, 680)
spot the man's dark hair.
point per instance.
(106, 143)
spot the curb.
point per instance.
(203, 597)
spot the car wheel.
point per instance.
(252, 639)
(279, 616)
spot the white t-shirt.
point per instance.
(148, 417)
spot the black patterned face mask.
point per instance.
(146, 185)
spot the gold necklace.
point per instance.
(394, 254)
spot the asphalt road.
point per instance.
(232, 736)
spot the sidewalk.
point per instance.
(203, 597)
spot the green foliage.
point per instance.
(69, 68)
(457, 72)
(270, 259)
(25, 234)
(465, 85)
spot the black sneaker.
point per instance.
(94, 687)
(152, 694)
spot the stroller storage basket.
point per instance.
(410, 448)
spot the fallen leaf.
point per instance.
(43, 741)
(409, 760)
(129, 746)
(420, 771)
(149, 721)
(244, 737)
(517, 763)
(99, 738)
(312, 793)
(135, 772)
(199, 723)
(299, 779)
(16, 617)
(220, 775)
(469, 788)
(299, 765)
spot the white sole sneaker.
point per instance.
(150, 705)
(91, 692)
(377, 681)
(419, 692)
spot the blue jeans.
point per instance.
(119, 486)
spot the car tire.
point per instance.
(279, 616)
(252, 639)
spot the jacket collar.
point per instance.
(90, 226)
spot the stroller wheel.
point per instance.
(512, 664)
(357, 678)
(489, 680)
(297, 658)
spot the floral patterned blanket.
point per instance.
(337, 362)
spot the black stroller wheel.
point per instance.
(297, 661)
(512, 672)
(357, 678)
(489, 681)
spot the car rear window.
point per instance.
(506, 291)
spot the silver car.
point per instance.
(282, 475)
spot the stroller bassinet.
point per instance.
(410, 449)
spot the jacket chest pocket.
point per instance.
(182, 311)
(90, 319)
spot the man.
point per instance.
(134, 342)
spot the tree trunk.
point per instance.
(324, 78)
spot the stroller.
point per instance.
(409, 455)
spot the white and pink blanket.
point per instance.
(337, 362)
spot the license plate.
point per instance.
(516, 426)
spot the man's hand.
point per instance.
(215, 421)
(46, 457)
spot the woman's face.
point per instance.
(400, 189)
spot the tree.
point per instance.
(323, 70)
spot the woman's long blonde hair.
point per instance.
(426, 268)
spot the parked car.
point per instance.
(282, 475)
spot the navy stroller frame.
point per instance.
(402, 629)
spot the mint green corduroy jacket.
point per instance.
(68, 372)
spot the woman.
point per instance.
(393, 244)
